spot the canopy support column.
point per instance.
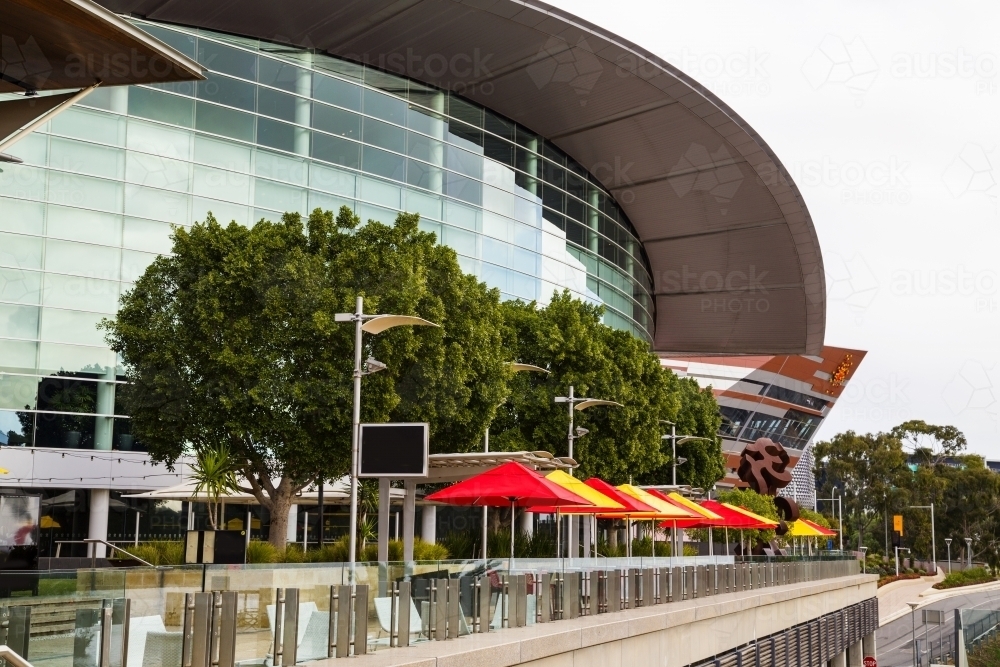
(409, 510)
(383, 519)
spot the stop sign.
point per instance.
(870, 661)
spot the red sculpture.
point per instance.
(764, 467)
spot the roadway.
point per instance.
(893, 640)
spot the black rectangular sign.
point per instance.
(393, 450)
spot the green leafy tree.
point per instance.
(929, 443)
(756, 503)
(567, 338)
(231, 339)
(871, 473)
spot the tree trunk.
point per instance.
(277, 500)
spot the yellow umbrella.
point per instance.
(695, 507)
(49, 522)
(600, 503)
(4, 471)
(803, 529)
(746, 512)
(664, 509)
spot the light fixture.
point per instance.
(580, 431)
(373, 365)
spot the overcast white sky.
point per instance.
(887, 114)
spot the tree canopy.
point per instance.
(567, 338)
(232, 340)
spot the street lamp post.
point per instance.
(674, 441)
(968, 549)
(516, 367)
(864, 561)
(933, 538)
(838, 512)
(947, 543)
(913, 630)
(373, 324)
(580, 404)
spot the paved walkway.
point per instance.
(893, 597)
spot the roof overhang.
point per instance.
(735, 259)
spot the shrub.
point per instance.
(972, 576)
(259, 551)
(893, 577)
(159, 552)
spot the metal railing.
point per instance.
(92, 551)
(10, 656)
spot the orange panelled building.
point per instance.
(781, 397)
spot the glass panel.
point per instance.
(23, 252)
(463, 188)
(425, 148)
(18, 355)
(157, 204)
(33, 149)
(23, 182)
(93, 126)
(21, 216)
(219, 184)
(426, 121)
(16, 392)
(460, 240)
(20, 286)
(220, 58)
(158, 140)
(224, 212)
(80, 293)
(85, 191)
(279, 135)
(283, 75)
(522, 286)
(378, 192)
(281, 198)
(19, 321)
(68, 326)
(73, 358)
(332, 180)
(81, 225)
(158, 172)
(146, 235)
(465, 162)
(164, 107)
(180, 41)
(225, 154)
(461, 216)
(226, 122)
(496, 251)
(384, 135)
(231, 92)
(524, 261)
(385, 107)
(383, 163)
(368, 212)
(276, 104)
(82, 259)
(423, 175)
(336, 150)
(134, 264)
(281, 167)
(84, 158)
(336, 91)
(427, 205)
(336, 121)
(327, 202)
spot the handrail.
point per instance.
(11, 656)
(93, 556)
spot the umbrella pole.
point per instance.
(513, 507)
(628, 538)
(558, 534)
(725, 530)
(711, 547)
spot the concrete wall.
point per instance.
(670, 635)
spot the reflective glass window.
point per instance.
(336, 150)
(336, 121)
(19, 321)
(164, 107)
(20, 252)
(384, 135)
(221, 58)
(277, 104)
(22, 216)
(383, 163)
(385, 107)
(336, 91)
(20, 286)
(86, 158)
(284, 75)
(182, 42)
(228, 91)
(225, 122)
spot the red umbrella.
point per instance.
(734, 519)
(510, 484)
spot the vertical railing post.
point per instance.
(483, 617)
(343, 621)
(360, 620)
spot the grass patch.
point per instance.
(986, 654)
(159, 552)
(970, 577)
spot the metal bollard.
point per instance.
(454, 608)
(663, 585)
(565, 596)
(361, 619)
(343, 606)
(676, 584)
(593, 592)
(648, 594)
(614, 589)
(483, 607)
(689, 591)
(439, 609)
(403, 604)
(544, 597)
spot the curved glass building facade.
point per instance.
(273, 129)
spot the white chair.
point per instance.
(139, 627)
(163, 649)
(315, 644)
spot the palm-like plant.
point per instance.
(215, 475)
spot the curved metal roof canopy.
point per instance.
(735, 259)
